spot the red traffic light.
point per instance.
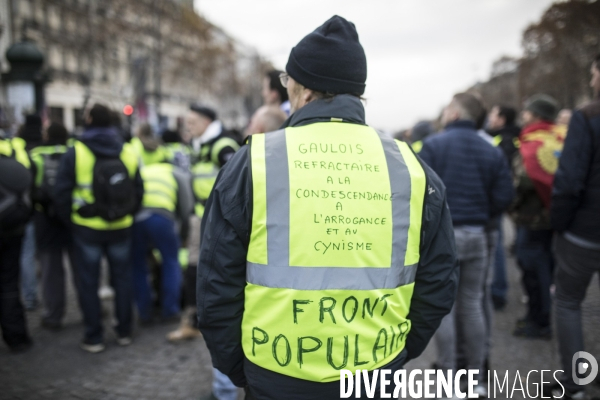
(128, 110)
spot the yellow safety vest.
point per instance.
(204, 175)
(148, 157)
(38, 157)
(333, 251)
(18, 145)
(160, 187)
(205, 171)
(417, 146)
(210, 152)
(83, 194)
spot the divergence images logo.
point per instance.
(582, 367)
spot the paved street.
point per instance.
(151, 368)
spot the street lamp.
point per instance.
(25, 83)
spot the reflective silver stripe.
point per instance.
(321, 278)
(211, 175)
(158, 193)
(79, 202)
(161, 182)
(400, 187)
(278, 198)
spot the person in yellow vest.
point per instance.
(98, 190)
(211, 142)
(326, 245)
(147, 146)
(167, 200)
(15, 211)
(53, 237)
(212, 147)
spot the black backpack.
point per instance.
(15, 202)
(113, 189)
(43, 194)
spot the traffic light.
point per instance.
(128, 110)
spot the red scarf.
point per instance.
(541, 145)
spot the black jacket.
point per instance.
(103, 142)
(575, 203)
(222, 267)
(224, 154)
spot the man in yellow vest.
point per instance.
(167, 200)
(98, 190)
(326, 245)
(15, 211)
(212, 147)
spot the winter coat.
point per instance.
(222, 266)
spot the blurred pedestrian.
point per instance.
(533, 168)
(212, 146)
(505, 135)
(479, 188)
(148, 146)
(15, 211)
(97, 192)
(273, 92)
(167, 201)
(265, 119)
(418, 133)
(575, 215)
(29, 136)
(53, 237)
(211, 141)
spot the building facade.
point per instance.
(156, 55)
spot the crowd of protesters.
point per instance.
(138, 204)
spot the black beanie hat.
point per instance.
(542, 105)
(205, 111)
(330, 59)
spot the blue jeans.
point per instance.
(468, 314)
(222, 387)
(158, 231)
(500, 283)
(87, 257)
(28, 267)
(534, 256)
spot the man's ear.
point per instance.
(307, 95)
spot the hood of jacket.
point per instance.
(341, 108)
(104, 142)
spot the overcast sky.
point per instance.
(419, 52)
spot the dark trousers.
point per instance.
(575, 267)
(500, 282)
(12, 316)
(534, 256)
(53, 282)
(87, 258)
(189, 292)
